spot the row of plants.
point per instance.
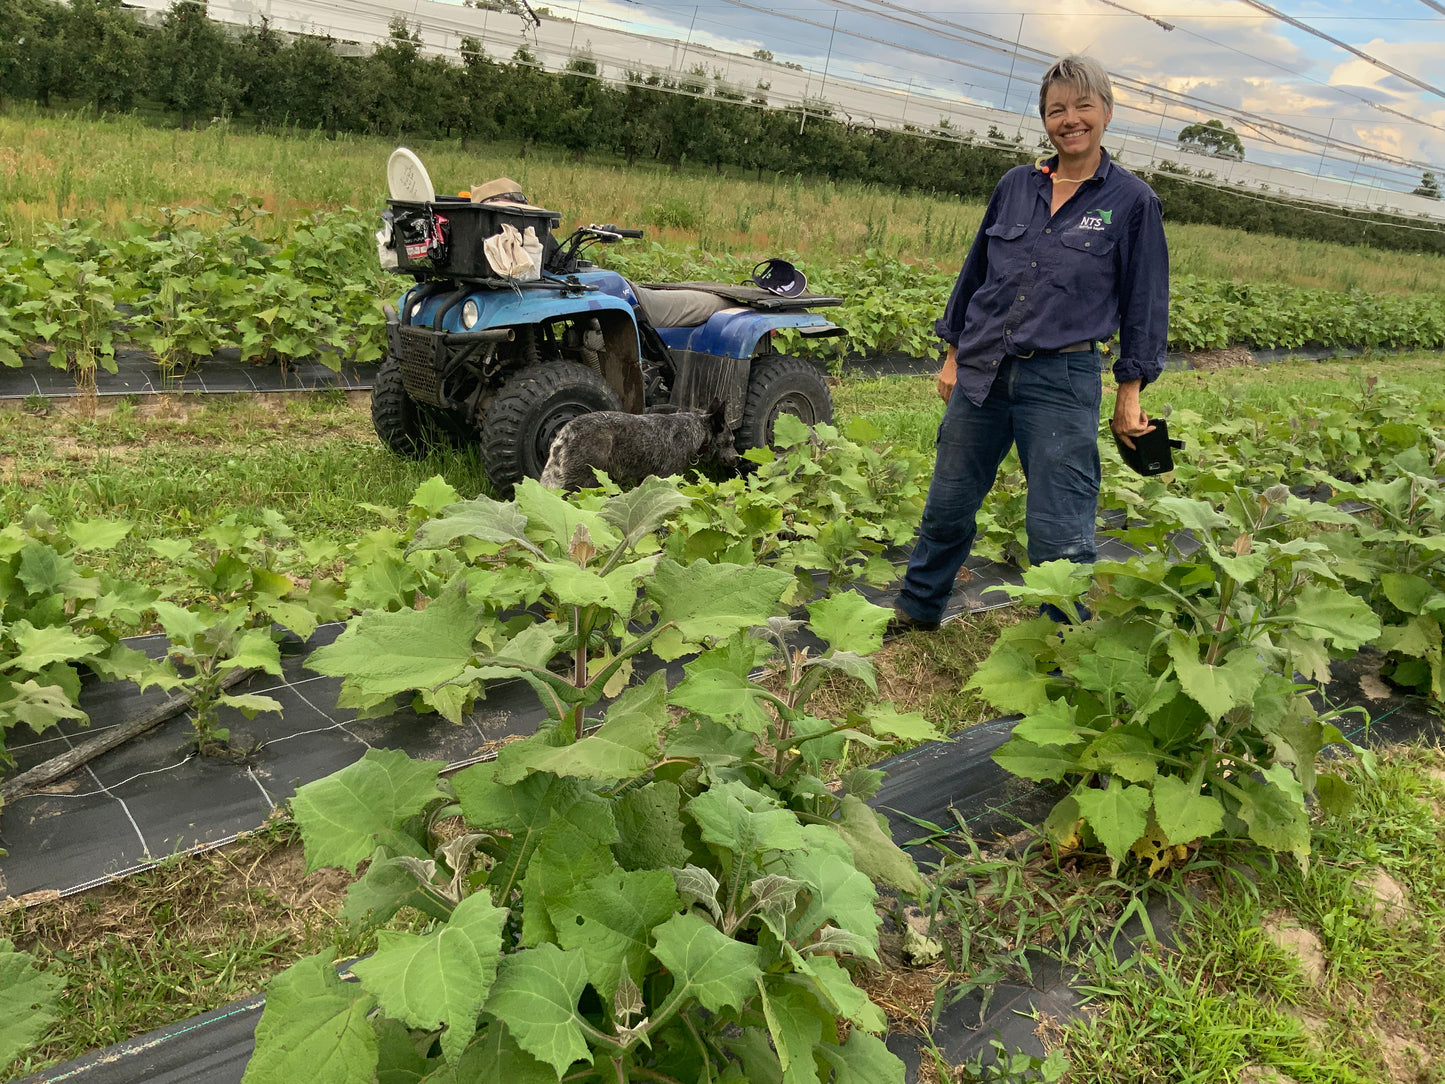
(191, 283)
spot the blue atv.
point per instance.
(474, 356)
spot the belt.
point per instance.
(1072, 348)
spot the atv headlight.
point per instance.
(471, 313)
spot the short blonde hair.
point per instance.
(1084, 74)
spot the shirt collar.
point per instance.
(1105, 165)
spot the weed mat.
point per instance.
(138, 373)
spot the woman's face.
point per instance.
(1075, 121)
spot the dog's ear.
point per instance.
(717, 414)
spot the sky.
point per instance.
(1291, 95)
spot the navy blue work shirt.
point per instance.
(1036, 281)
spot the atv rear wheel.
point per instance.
(410, 429)
(529, 410)
(782, 385)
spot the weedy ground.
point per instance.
(1337, 975)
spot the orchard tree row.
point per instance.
(95, 53)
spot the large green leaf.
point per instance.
(313, 1028)
(382, 654)
(627, 743)
(522, 809)
(848, 622)
(28, 1001)
(484, 518)
(1216, 688)
(643, 508)
(1274, 810)
(707, 601)
(706, 963)
(345, 815)
(795, 1021)
(552, 518)
(1318, 611)
(1051, 724)
(439, 978)
(496, 1059)
(1118, 815)
(719, 692)
(1125, 751)
(836, 990)
(535, 995)
(37, 706)
(98, 534)
(842, 894)
(1183, 813)
(37, 648)
(873, 848)
(649, 827)
(744, 821)
(863, 1059)
(610, 918)
(575, 847)
(1041, 763)
(574, 586)
(887, 722)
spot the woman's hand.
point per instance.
(1129, 418)
(948, 375)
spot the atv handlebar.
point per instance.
(621, 232)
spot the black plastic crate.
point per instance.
(444, 239)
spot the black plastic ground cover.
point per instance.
(138, 373)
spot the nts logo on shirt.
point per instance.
(1096, 219)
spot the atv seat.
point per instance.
(679, 308)
(755, 297)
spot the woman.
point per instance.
(1071, 249)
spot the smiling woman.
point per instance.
(1071, 250)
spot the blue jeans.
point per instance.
(1048, 405)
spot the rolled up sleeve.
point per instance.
(1143, 296)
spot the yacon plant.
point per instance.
(1174, 711)
(675, 895)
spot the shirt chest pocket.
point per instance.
(1087, 242)
(1007, 248)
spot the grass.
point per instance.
(1230, 997)
(180, 939)
(114, 168)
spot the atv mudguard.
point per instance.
(736, 332)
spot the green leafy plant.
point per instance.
(672, 895)
(59, 618)
(29, 1000)
(1175, 711)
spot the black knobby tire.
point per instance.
(782, 385)
(527, 412)
(404, 425)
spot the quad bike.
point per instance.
(477, 358)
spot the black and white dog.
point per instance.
(629, 447)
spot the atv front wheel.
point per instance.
(529, 410)
(782, 385)
(408, 428)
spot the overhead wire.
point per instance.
(1346, 46)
